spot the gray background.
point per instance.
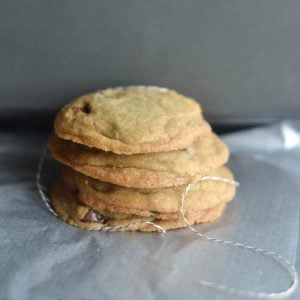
(239, 58)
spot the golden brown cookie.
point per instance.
(132, 120)
(163, 203)
(151, 170)
(68, 208)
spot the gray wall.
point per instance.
(239, 58)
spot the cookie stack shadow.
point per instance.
(127, 155)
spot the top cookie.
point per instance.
(132, 120)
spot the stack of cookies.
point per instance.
(127, 156)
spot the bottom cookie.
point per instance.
(71, 210)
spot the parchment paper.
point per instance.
(43, 258)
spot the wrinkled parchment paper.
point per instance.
(43, 258)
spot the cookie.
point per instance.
(71, 210)
(132, 120)
(163, 203)
(151, 170)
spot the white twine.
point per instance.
(149, 87)
(39, 186)
(274, 256)
(283, 262)
(47, 202)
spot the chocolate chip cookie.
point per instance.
(132, 120)
(161, 203)
(71, 210)
(151, 170)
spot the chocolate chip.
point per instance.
(94, 217)
(86, 108)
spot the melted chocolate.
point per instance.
(93, 216)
